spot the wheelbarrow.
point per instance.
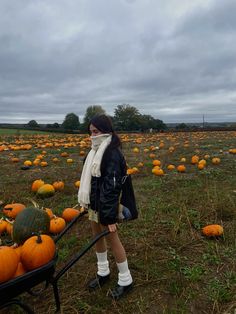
(10, 290)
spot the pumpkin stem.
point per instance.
(10, 221)
(35, 204)
(39, 239)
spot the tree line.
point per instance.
(125, 118)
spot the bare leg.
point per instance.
(100, 246)
(117, 247)
(114, 240)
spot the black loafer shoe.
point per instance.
(120, 291)
(98, 282)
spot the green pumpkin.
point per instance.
(29, 221)
(46, 190)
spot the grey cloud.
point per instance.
(63, 57)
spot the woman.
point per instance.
(102, 179)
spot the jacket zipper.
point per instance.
(114, 179)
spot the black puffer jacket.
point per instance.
(106, 190)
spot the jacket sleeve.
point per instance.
(111, 188)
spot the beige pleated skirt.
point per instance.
(93, 216)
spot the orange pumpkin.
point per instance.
(37, 251)
(43, 164)
(158, 172)
(181, 168)
(36, 185)
(28, 163)
(64, 154)
(20, 270)
(12, 210)
(8, 263)
(201, 165)
(55, 159)
(215, 160)
(135, 170)
(194, 159)
(69, 160)
(49, 212)
(70, 213)
(57, 224)
(152, 155)
(170, 167)
(156, 162)
(15, 159)
(212, 230)
(77, 184)
(3, 226)
(58, 185)
(130, 171)
(18, 250)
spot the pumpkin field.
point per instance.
(183, 182)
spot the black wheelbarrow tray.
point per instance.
(46, 273)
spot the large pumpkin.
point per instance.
(36, 185)
(37, 251)
(57, 224)
(46, 190)
(12, 210)
(70, 213)
(31, 220)
(58, 185)
(20, 270)
(8, 263)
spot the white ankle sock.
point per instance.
(103, 264)
(124, 275)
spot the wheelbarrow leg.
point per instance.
(55, 279)
(56, 296)
(22, 305)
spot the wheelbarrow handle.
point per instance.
(79, 255)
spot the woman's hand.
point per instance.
(112, 228)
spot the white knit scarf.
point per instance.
(92, 167)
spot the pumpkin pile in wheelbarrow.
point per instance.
(35, 252)
(33, 246)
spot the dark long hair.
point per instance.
(104, 124)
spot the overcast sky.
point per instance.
(172, 59)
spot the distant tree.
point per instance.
(182, 126)
(56, 125)
(53, 126)
(147, 122)
(71, 122)
(91, 111)
(159, 125)
(32, 124)
(127, 118)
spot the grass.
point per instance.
(17, 132)
(175, 268)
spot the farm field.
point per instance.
(176, 269)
